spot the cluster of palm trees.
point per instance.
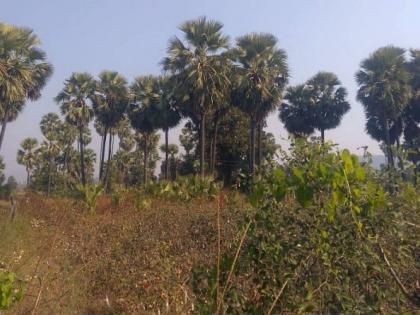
(206, 79)
(389, 89)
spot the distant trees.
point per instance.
(200, 71)
(319, 104)
(144, 97)
(385, 92)
(23, 71)
(26, 156)
(226, 94)
(262, 74)
(167, 115)
(75, 105)
(110, 100)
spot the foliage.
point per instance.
(184, 188)
(314, 243)
(89, 195)
(10, 292)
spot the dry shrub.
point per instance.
(118, 260)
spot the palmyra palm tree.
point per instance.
(295, 111)
(75, 106)
(327, 100)
(110, 102)
(144, 97)
(200, 70)
(384, 89)
(167, 115)
(26, 156)
(23, 71)
(50, 125)
(262, 76)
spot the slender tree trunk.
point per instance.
(400, 160)
(202, 144)
(28, 176)
(102, 158)
(3, 131)
(49, 172)
(390, 156)
(145, 162)
(213, 147)
(82, 156)
(322, 136)
(166, 154)
(259, 146)
(252, 150)
(108, 163)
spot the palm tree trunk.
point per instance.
(28, 176)
(82, 156)
(166, 154)
(102, 158)
(322, 136)
(202, 144)
(213, 147)
(252, 150)
(108, 163)
(390, 157)
(3, 130)
(259, 146)
(145, 162)
(400, 160)
(49, 172)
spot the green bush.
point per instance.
(323, 238)
(10, 292)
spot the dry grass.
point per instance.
(119, 260)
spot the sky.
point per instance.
(131, 37)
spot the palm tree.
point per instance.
(67, 135)
(200, 71)
(50, 126)
(167, 115)
(144, 95)
(23, 71)
(262, 76)
(26, 156)
(384, 89)
(109, 103)
(328, 101)
(295, 112)
(75, 105)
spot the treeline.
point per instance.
(225, 90)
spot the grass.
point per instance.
(122, 259)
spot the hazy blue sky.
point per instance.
(131, 37)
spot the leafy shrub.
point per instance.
(318, 242)
(184, 188)
(10, 292)
(89, 195)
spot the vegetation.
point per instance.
(232, 225)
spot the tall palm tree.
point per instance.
(144, 97)
(262, 76)
(328, 101)
(26, 156)
(67, 135)
(110, 102)
(50, 126)
(295, 111)
(23, 71)
(384, 89)
(167, 115)
(76, 107)
(200, 70)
